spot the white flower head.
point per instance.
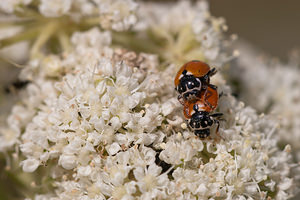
(117, 14)
(104, 122)
(9, 6)
(182, 25)
(55, 8)
(277, 95)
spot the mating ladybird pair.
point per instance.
(198, 97)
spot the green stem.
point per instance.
(64, 40)
(133, 42)
(46, 33)
(26, 12)
(90, 21)
(14, 23)
(27, 34)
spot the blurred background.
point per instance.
(271, 25)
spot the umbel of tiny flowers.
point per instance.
(277, 96)
(99, 121)
(48, 25)
(107, 124)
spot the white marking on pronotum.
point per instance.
(189, 73)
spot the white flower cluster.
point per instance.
(188, 23)
(9, 6)
(106, 124)
(117, 14)
(112, 14)
(271, 87)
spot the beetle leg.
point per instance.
(221, 94)
(212, 72)
(207, 94)
(217, 130)
(216, 115)
(214, 87)
(180, 99)
(205, 79)
(186, 112)
(208, 138)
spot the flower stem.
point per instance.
(24, 35)
(46, 33)
(133, 42)
(64, 40)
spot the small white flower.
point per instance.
(84, 171)
(115, 123)
(113, 148)
(9, 6)
(149, 179)
(169, 106)
(55, 8)
(105, 67)
(152, 118)
(134, 100)
(91, 38)
(10, 136)
(52, 66)
(68, 161)
(30, 165)
(117, 14)
(176, 153)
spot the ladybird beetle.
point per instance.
(208, 102)
(198, 112)
(192, 78)
(201, 121)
